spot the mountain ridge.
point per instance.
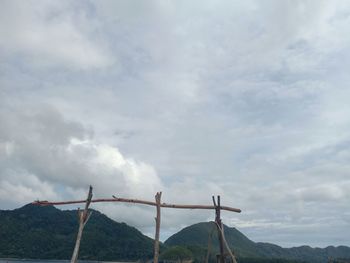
(49, 233)
(244, 247)
(38, 232)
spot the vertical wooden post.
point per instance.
(156, 239)
(83, 217)
(209, 246)
(219, 225)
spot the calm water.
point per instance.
(32, 261)
(50, 261)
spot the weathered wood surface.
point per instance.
(219, 225)
(83, 217)
(230, 252)
(157, 218)
(137, 201)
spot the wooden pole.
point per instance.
(156, 239)
(83, 217)
(136, 201)
(209, 246)
(219, 225)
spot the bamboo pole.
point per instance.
(156, 239)
(137, 201)
(83, 216)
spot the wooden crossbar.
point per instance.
(138, 201)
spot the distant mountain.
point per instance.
(37, 232)
(196, 236)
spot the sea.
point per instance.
(4, 260)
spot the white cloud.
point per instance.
(21, 188)
(42, 154)
(51, 34)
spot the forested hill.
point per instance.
(196, 236)
(37, 232)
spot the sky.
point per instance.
(248, 100)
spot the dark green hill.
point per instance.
(196, 236)
(49, 233)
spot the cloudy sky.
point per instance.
(245, 99)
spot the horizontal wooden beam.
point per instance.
(227, 208)
(137, 201)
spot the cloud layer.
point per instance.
(247, 100)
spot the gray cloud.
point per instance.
(41, 148)
(40, 35)
(246, 100)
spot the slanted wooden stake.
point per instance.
(219, 225)
(156, 239)
(83, 217)
(209, 246)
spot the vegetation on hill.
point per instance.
(35, 232)
(49, 233)
(177, 253)
(197, 235)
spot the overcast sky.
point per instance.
(245, 99)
